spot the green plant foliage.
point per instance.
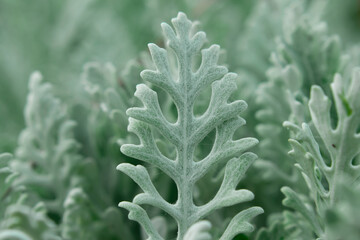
(183, 84)
(18, 220)
(305, 56)
(6, 178)
(112, 93)
(327, 161)
(343, 218)
(24, 222)
(80, 221)
(46, 155)
(170, 118)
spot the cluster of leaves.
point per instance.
(178, 117)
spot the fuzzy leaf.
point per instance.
(199, 231)
(325, 162)
(47, 153)
(138, 214)
(184, 85)
(240, 223)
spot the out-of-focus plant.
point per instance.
(181, 131)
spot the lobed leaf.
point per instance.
(183, 84)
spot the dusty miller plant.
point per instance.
(184, 84)
(184, 142)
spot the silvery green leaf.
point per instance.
(184, 85)
(199, 231)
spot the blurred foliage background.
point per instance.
(59, 37)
